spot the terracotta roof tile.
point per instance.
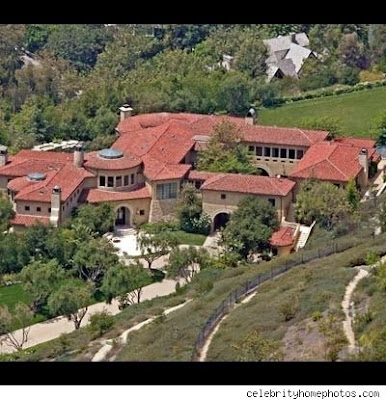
(332, 160)
(155, 170)
(195, 175)
(98, 195)
(249, 184)
(28, 220)
(283, 237)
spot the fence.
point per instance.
(251, 285)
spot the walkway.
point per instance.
(102, 354)
(53, 328)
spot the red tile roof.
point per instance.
(98, 195)
(68, 178)
(28, 220)
(92, 160)
(195, 175)
(331, 161)
(20, 183)
(249, 184)
(155, 170)
(283, 237)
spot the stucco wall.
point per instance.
(135, 206)
(20, 208)
(213, 204)
(137, 177)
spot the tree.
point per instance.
(13, 253)
(321, 201)
(190, 213)
(93, 258)
(325, 123)
(377, 41)
(253, 347)
(353, 195)
(80, 44)
(380, 128)
(351, 51)
(250, 227)
(6, 213)
(101, 322)
(382, 217)
(251, 58)
(20, 315)
(155, 245)
(39, 279)
(125, 282)
(186, 262)
(71, 299)
(225, 153)
(234, 93)
(100, 218)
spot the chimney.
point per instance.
(364, 161)
(79, 155)
(56, 199)
(126, 111)
(251, 117)
(3, 155)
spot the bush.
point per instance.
(371, 258)
(162, 226)
(288, 310)
(101, 322)
(316, 316)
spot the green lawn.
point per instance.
(355, 111)
(192, 239)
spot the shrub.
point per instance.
(101, 322)
(288, 310)
(316, 316)
(371, 258)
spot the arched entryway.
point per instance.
(220, 220)
(263, 170)
(123, 216)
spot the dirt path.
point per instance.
(102, 354)
(347, 323)
(205, 349)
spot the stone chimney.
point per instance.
(251, 117)
(79, 155)
(126, 111)
(364, 161)
(3, 155)
(56, 199)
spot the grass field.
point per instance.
(355, 111)
(192, 239)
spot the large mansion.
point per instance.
(154, 154)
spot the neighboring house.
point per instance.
(286, 55)
(154, 154)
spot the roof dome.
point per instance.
(110, 154)
(36, 176)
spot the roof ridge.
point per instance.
(337, 168)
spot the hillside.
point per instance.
(355, 111)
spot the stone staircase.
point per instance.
(122, 231)
(305, 232)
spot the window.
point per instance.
(26, 208)
(141, 212)
(118, 181)
(259, 151)
(275, 152)
(223, 196)
(272, 201)
(63, 208)
(126, 180)
(299, 154)
(251, 148)
(49, 209)
(267, 151)
(102, 181)
(132, 179)
(110, 181)
(38, 209)
(283, 153)
(167, 191)
(291, 154)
